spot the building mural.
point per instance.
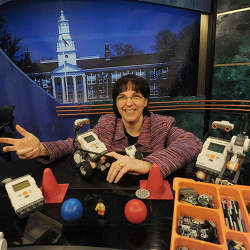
(74, 80)
(78, 59)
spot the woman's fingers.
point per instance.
(127, 165)
(26, 147)
(133, 172)
(9, 148)
(14, 141)
(25, 153)
(7, 140)
(114, 169)
(22, 131)
(114, 155)
(120, 174)
(118, 169)
(31, 155)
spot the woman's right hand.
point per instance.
(28, 147)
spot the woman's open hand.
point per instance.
(28, 147)
(126, 164)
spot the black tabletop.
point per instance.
(110, 231)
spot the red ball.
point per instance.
(135, 211)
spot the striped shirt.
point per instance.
(160, 139)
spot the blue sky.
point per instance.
(92, 24)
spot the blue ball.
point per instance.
(71, 209)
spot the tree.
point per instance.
(8, 43)
(181, 54)
(165, 46)
(188, 53)
(121, 49)
(166, 42)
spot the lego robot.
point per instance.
(220, 160)
(89, 150)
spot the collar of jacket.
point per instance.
(145, 133)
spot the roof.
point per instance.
(68, 68)
(100, 63)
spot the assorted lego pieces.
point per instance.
(197, 229)
(232, 215)
(235, 245)
(190, 196)
(210, 216)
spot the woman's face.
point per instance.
(130, 105)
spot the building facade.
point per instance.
(78, 80)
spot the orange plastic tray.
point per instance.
(238, 193)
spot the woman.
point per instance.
(131, 124)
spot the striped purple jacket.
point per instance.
(164, 143)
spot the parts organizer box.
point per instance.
(238, 193)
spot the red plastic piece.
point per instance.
(159, 189)
(52, 191)
(135, 211)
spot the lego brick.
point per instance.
(236, 198)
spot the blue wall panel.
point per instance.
(34, 110)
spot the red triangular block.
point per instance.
(52, 191)
(159, 189)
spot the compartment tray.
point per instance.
(239, 193)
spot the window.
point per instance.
(115, 76)
(154, 74)
(79, 96)
(59, 96)
(91, 79)
(164, 73)
(91, 92)
(70, 97)
(154, 89)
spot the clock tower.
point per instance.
(66, 52)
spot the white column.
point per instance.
(75, 89)
(107, 83)
(84, 88)
(66, 89)
(53, 86)
(63, 89)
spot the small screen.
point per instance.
(89, 138)
(216, 147)
(21, 185)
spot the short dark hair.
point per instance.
(139, 84)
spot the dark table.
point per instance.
(111, 231)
